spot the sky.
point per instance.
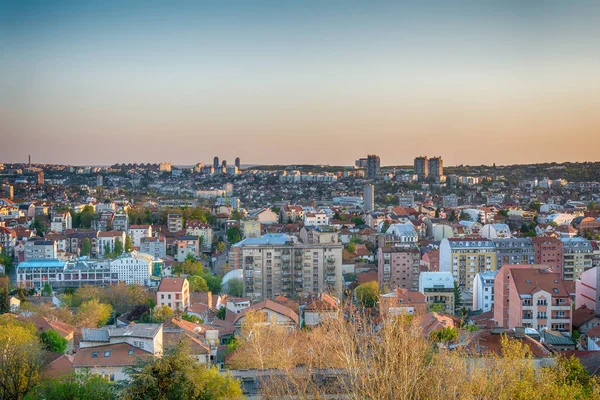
(284, 82)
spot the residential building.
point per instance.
(321, 308)
(291, 213)
(138, 232)
(549, 251)
(187, 245)
(537, 298)
(318, 235)
(431, 260)
(174, 223)
(369, 197)
(76, 239)
(585, 319)
(277, 264)
(274, 312)
(61, 274)
(251, 229)
(317, 218)
(156, 246)
(406, 200)
(398, 267)
(134, 268)
(514, 251)
(466, 257)
(403, 234)
(121, 222)
(436, 168)
(265, 216)
(202, 230)
(61, 222)
(174, 293)
(439, 289)
(483, 291)
(402, 301)
(578, 256)
(586, 289)
(39, 249)
(450, 200)
(495, 231)
(373, 166)
(421, 168)
(110, 352)
(107, 240)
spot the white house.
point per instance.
(137, 232)
(107, 240)
(495, 231)
(202, 230)
(61, 222)
(405, 232)
(483, 291)
(317, 218)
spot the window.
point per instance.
(107, 354)
(95, 354)
(130, 352)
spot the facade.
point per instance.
(174, 223)
(202, 230)
(318, 218)
(251, 229)
(466, 257)
(174, 293)
(121, 222)
(436, 168)
(403, 234)
(106, 241)
(483, 291)
(537, 298)
(61, 222)
(138, 232)
(76, 239)
(421, 168)
(549, 251)
(439, 289)
(134, 268)
(373, 166)
(369, 197)
(514, 251)
(8, 240)
(274, 312)
(586, 289)
(406, 200)
(402, 301)
(398, 267)
(61, 274)
(156, 246)
(495, 231)
(277, 264)
(187, 245)
(39, 249)
(578, 256)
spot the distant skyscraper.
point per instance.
(361, 163)
(30, 161)
(216, 162)
(238, 162)
(224, 164)
(436, 168)
(421, 168)
(373, 166)
(369, 197)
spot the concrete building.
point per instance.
(495, 231)
(586, 289)
(40, 249)
(436, 168)
(483, 291)
(318, 218)
(421, 168)
(138, 232)
(398, 267)
(373, 166)
(514, 251)
(277, 264)
(439, 289)
(549, 251)
(174, 293)
(466, 257)
(61, 222)
(202, 230)
(578, 256)
(134, 268)
(156, 246)
(251, 229)
(174, 223)
(402, 301)
(406, 200)
(187, 245)
(369, 197)
(532, 297)
(107, 240)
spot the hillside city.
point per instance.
(300, 280)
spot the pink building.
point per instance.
(532, 296)
(398, 267)
(586, 289)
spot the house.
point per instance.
(265, 216)
(317, 218)
(433, 321)
(187, 245)
(586, 289)
(320, 308)
(66, 331)
(202, 230)
(36, 249)
(174, 293)
(251, 229)
(585, 319)
(195, 337)
(8, 240)
(106, 242)
(398, 267)
(110, 351)
(237, 304)
(61, 222)
(593, 338)
(156, 246)
(495, 231)
(439, 289)
(273, 311)
(139, 232)
(402, 301)
(483, 291)
(174, 223)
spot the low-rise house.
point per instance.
(439, 289)
(273, 311)
(237, 304)
(593, 338)
(201, 230)
(187, 245)
(320, 308)
(585, 319)
(61, 222)
(495, 231)
(156, 246)
(174, 293)
(402, 301)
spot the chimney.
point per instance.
(519, 332)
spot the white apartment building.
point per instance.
(138, 232)
(317, 218)
(133, 268)
(202, 230)
(107, 240)
(61, 222)
(38, 249)
(483, 291)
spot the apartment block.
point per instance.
(466, 257)
(174, 222)
(549, 251)
(39, 249)
(439, 289)
(398, 267)
(277, 264)
(514, 251)
(578, 256)
(483, 291)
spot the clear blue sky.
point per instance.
(299, 81)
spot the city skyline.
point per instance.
(476, 83)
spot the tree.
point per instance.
(198, 284)
(437, 307)
(220, 248)
(457, 296)
(351, 247)
(118, 247)
(86, 247)
(444, 335)
(465, 216)
(92, 314)
(221, 313)
(53, 341)
(162, 313)
(20, 360)
(233, 235)
(367, 294)
(86, 386)
(106, 250)
(437, 212)
(235, 287)
(38, 226)
(535, 206)
(176, 376)
(4, 296)
(128, 244)
(358, 221)
(47, 290)
(452, 216)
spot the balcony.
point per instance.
(331, 279)
(285, 257)
(330, 260)
(298, 280)
(284, 273)
(298, 289)
(298, 267)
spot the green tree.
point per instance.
(465, 216)
(118, 247)
(197, 284)
(535, 206)
(176, 376)
(358, 221)
(106, 250)
(457, 296)
(53, 341)
(233, 235)
(86, 386)
(128, 244)
(20, 358)
(351, 247)
(220, 248)
(162, 313)
(38, 226)
(4, 296)
(93, 314)
(452, 216)
(437, 213)
(576, 374)
(437, 307)
(47, 290)
(86, 247)
(221, 313)
(235, 287)
(367, 294)
(444, 335)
